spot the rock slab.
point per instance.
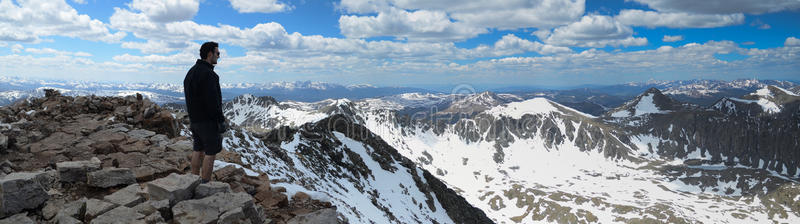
(129, 196)
(120, 214)
(19, 191)
(21, 218)
(210, 209)
(75, 171)
(174, 188)
(211, 188)
(75, 209)
(160, 208)
(111, 177)
(95, 207)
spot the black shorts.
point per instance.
(206, 137)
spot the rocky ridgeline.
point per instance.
(91, 159)
(750, 137)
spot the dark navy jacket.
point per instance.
(203, 95)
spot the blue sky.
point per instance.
(404, 42)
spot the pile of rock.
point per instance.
(122, 160)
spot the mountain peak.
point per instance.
(774, 94)
(263, 101)
(769, 100)
(773, 91)
(652, 90)
(651, 101)
(476, 103)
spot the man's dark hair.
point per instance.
(207, 47)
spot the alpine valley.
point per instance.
(697, 151)
(527, 159)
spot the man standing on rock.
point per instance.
(204, 105)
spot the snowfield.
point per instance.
(533, 182)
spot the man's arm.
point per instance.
(215, 99)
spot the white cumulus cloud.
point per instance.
(418, 25)
(159, 46)
(511, 44)
(721, 6)
(791, 41)
(30, 20)
(167, 10)
(683, 62)
(52, 51)
(668, 38)
(460, 15)
(635, 17)
(263, 6)
(175, 59)
(592, 31)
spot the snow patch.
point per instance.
(517, 109)
(768, 106)
(647, 106)
(763, 92)
(221, 164)
(621, 113)
(292, 189)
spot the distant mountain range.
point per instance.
(592, 99)
(13, 88)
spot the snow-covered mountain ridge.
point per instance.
(536, 160)
(767, 100)
(365, 178)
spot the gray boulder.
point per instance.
(180, 146)
(324, 216)
(120, 214)
(209, 209)
(160, 208)
(75, 171)
(19, 191)
(194, 212)
(153, 219)
(234, 216)
(51, 208)
(21, 218)
(129, 196)
(95, 207)
(6, 167)
(160, 140)
(141, 133)
(75, 209)
(174, 187)
(48, 179)
(211, 188)
(111, 177)
(109, 135)
(65, 219)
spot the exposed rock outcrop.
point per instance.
(328, 152)
(91, 159)
(19, 191)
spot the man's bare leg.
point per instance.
(197, 159)
(208, 165)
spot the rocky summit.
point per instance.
(90, 159)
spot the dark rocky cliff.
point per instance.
(321, 135)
